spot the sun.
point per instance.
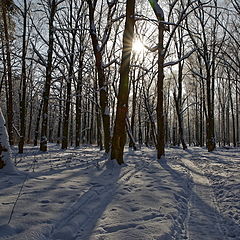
(138, 46)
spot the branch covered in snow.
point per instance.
(181, 59)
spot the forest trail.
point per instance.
(202, 219)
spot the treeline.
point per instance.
(114, 72)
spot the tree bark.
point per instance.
(9, 76)
(211, 145)
(132, 123)
(23, 109)
(160, 104)
(232, 111)
(178, 104)
(119, 134)
(102, 83)
(47, 85)
(66, 115)
(79, 102)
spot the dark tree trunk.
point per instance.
(30, 121)
(160, 96)
(140, 135)
(178, 104)
(146, 128)
(60, 113)
(23, 109)
(79, 101)
(196, 117)
(132, 124)
(237, 113)
(119, 134)
(9, 76)
(211, 145)
(201, 116)
(66, 115)
(227, 123)
(36, 132)
(130, 135)
(101, 79)
(160, 104)
(47, 85)
(99, 123)
(232, 110)
(189, 125)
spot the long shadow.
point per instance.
(228, 223)
(89, 207)
(216, 154)
(93, 183)
(30, 167)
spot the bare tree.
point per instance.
(52, 7)
(23, 109)
(98, 52)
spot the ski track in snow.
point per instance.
(222, 168)
(90, 206)
(78, 195)
(202, 221)
(208, 217)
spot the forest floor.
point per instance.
(79, 194)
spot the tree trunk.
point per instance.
(9, 76)
(160, 102)
(23, 109)
(178, 104)
(132, 124)
(196, 117)
(66, 115)
(227, 123)
(60, 113)
(99, 123)
(160, 105)
(211, 145)
(119, 134)
(101, 79)
(46, 92)
(79, 102)
(30, 121)
(232, 110)
(36, 132)
(237, 113)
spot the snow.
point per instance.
(5, 155)
(81, 194)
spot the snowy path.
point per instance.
(202, 221)
(222, 168)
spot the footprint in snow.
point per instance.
(134, 209)
(149, 185)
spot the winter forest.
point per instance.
(119, 120)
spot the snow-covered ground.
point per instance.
(78, 194)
